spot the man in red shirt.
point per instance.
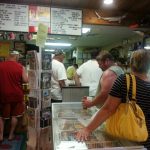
(12, 75)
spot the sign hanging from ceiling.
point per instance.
(13, 17)
(41, 35)
(66, 21)
(38, 14)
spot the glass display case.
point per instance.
(67, 118)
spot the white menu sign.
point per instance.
(66, 21)
(13, 17)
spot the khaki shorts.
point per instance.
(14, 109)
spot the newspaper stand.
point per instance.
(39, 105)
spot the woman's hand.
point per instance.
(82, 135)
(86, 103)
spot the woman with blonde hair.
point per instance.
(140, 65)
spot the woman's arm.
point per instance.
(105, 112)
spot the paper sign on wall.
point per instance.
(66, 21)
(13, 17)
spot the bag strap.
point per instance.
(133, 87)
(138, 116)
(128, 86)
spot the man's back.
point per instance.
(90, 73)
(58, 74)
(11, 81)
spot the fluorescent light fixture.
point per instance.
(147, 47)
(58, 44)
(85, 30)
(34, 37)
(49, 50)
(108, 2)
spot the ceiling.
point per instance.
(119, 6)
(100, 35)
(133, 6)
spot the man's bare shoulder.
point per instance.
(109, 74)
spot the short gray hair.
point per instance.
(140, 61)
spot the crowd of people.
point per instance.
(107, 85)
(106, 81)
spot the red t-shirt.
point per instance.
(11, 82)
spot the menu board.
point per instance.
(13, 17)
(66, 21)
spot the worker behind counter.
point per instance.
(71, 70)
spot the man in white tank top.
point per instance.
(111, 71)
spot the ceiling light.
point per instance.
(72, 38)
(147, 47)
(85, 30)
(34, 37)
(49, 50)
(51, 38)
(58, 44)
(108, 2)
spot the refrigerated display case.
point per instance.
(67, 118)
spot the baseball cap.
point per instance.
(58, 52)
(15, 52)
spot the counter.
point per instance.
(67, 118)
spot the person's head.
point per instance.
(75, 66)
(105, 60)
(94, 54)
(13, 55)
(59, 55)
(140, 61)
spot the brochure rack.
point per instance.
(39, 105)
